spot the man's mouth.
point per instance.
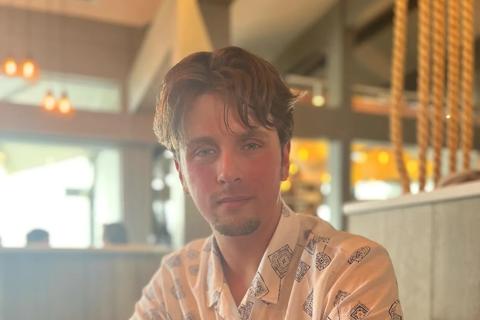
(233, 200)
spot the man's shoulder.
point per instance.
(191, 252)
(318, 232)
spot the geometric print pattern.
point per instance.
(341, 295)
(358, 255)
(392, 311)
(258, 288)
(280, 260)
(245, 310)
(320, 273)
(301, 271)
(308, 304)
(174, 261)
(177, 290)
(322, 260)
(359, 311)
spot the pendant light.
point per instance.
(9, 64)
(29, 67)
(48, 102)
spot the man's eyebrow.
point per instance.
(198, 141)
(253, 133)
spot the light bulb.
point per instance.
(318, 100)
(64, 105)
(10, 67)
(49, 102)
(29, 69)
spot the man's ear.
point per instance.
(285, 160)
(180, 175)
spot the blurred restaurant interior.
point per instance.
(78, 85)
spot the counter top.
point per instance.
(465, 190)
(112, 250)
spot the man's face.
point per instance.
(232, 175)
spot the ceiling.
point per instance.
(125, 12)
(249, 28)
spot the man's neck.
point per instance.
(242, 256)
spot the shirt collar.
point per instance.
(275, 262)
(215, 278)
(273, 267)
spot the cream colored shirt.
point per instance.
(309, 271)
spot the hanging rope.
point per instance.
(423, 88)
(398, 60)
(438, 84)
(467, 81)
(453, 80)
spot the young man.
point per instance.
(227, 117)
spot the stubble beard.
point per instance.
(234, 228)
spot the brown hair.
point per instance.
(243, 80)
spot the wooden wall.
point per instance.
(54, 284)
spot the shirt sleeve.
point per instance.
(366, 288)
(151, 305)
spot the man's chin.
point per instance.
(236, 228)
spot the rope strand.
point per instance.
(467, 81)
(438, 84)
(453, 80)
(398, 60)
(423, 89)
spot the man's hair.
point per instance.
(249, 84)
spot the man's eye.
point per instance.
(251, 146)
(204, 152)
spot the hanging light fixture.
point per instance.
(10, 67)
(318, 97)
(9, 64)
(29, 69)
(48, 102)
(64, 104)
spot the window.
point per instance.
(54, 187)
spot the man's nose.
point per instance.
(228, 170)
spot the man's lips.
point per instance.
(233, 199)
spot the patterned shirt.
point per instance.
(309, 271)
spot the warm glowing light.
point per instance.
(293, 169)
(285, 185)
(10, 67)
(318, 100)
(448, 116)
(325, 177)
(303, 154)
(48, 102)
(29, 69)
(64, 105)
(359, 156)
(412, 166)
(383, 157)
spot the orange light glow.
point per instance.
(285, 185)
(303, 154)
(10, 67)
(29, 69)
(64, 104)
(293, 169)
(383, 157)
(48, 102)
